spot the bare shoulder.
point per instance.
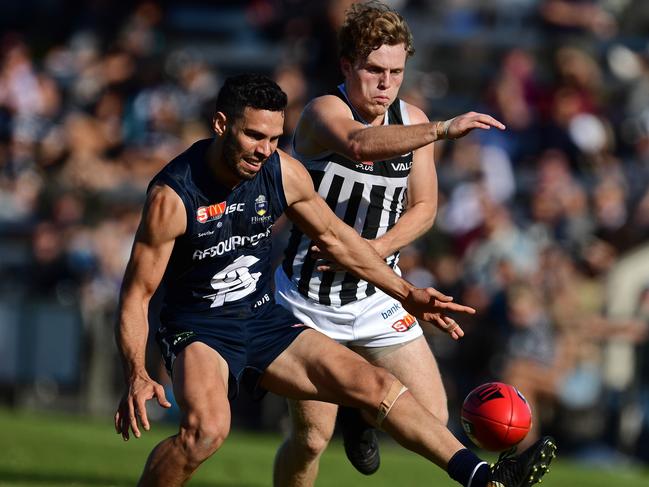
(416, 114)
(328, 102)
(164, 216)
(163, 201)
(326, 106)
(296, 180)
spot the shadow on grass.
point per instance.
(8, 477)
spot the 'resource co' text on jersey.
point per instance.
(231, 244)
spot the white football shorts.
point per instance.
(376, 321)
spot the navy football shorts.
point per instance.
(248, 346)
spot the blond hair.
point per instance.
(370, 25)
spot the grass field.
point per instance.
(55, 451)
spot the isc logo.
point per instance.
(405, 323)
(215, 211)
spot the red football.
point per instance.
(496, 416)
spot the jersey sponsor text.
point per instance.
(215, 211)
(230, 244)
(405, 323)
(390, 311)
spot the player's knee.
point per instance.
(390, 393)
(377, 386)
(201, 437)
(311, 441)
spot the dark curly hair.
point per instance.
(370, 25)
(249, 90)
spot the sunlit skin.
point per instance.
(373, 83)
(244, 144)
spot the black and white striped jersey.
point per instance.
(369, 196)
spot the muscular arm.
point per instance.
(162, 221)
(327, 124)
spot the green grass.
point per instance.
(56, 451)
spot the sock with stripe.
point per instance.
(466, 468)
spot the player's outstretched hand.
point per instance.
(463, 124)
(133, 405)
(431, 305)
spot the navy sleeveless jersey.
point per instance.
(221, 266)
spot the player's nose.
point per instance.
(265, 149)
(384, 80)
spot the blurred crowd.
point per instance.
(543, 228)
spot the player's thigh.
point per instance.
(318, 368)
(415, 366)
(312, 422)
(200, 380)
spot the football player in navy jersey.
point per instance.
(205, 237)
(370, 156)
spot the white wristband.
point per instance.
(446, 126)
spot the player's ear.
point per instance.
(345, 66)
(219, 123)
